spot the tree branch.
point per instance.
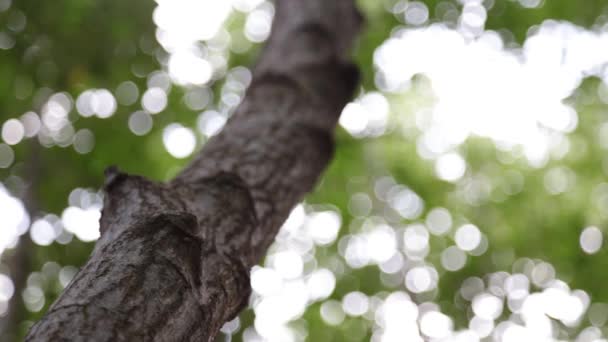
(173, 260)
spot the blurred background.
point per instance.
(468, 198)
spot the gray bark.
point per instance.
(173, 259)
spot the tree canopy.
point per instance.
(467, 197)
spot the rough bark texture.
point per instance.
(173, 260)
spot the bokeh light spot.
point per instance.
(434, 324)
(179, 140)
(468, 237)
(127, 93)
(140, 123)
(450, 167)
(355, 303)
(591, 240)
(439, 221)
(154, 100)
(84, 141)
(12, 131)
(453, 258)
(7, 288)
(332, 313)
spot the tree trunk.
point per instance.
(173, 259)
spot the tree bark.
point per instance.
(173, 259)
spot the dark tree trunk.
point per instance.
(173, 260)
